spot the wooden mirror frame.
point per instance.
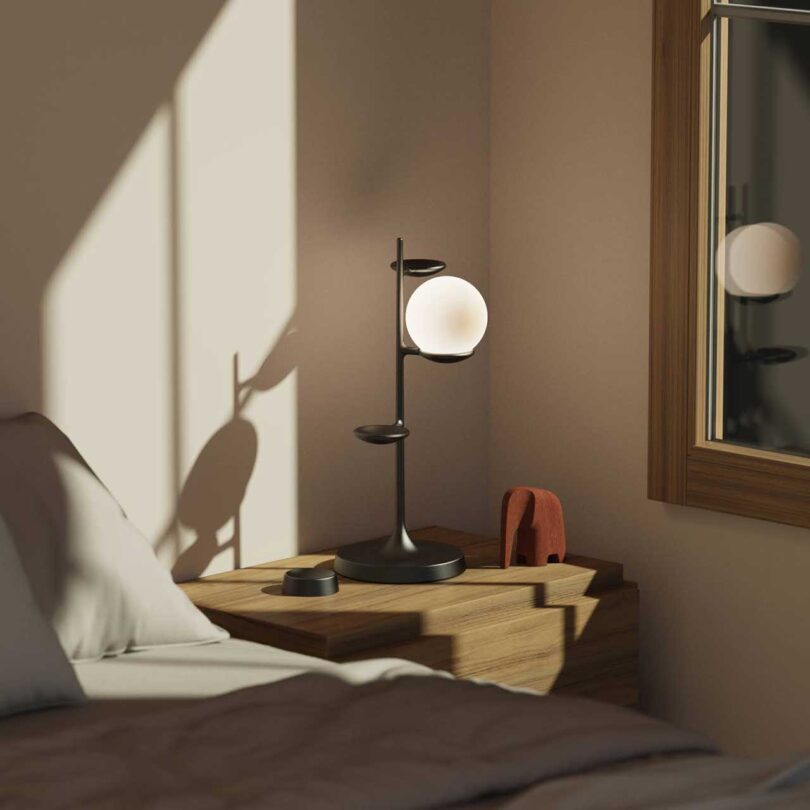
(683, 466)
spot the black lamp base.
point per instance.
(379, 561)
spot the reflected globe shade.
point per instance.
(446, 316)
(760, 260)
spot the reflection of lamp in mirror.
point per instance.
(760, 260)
(446, 318)
(759, 263)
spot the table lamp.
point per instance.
(446, 319)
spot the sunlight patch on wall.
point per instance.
(186, 267)
(106, 331)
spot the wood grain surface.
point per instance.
(568, 627)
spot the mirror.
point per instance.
(758, 312)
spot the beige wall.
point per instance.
(189, 183)
(725, 600)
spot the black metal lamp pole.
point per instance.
(400, 536)
(399, 558)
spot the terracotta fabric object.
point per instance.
(536, 517)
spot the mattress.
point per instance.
(213, 669)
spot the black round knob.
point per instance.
(309, 582)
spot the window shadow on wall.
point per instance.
(79, 84)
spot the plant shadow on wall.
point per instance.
(214, 489)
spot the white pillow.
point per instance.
(92, 572)
(34, 673)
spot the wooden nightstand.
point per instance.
(565, 628)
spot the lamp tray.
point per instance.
(381, 434)
(447, 358)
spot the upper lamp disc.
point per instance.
(421, 267)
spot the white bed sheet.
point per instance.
(214, 669)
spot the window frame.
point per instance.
(684, 467)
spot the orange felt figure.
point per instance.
(536, 516)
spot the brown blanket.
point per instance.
(314, 741)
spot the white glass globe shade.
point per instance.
(760, 260)
(446, 315)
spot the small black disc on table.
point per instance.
(309, 582)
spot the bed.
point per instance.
(116, 692)
(237, 724)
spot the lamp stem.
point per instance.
(400, 336)
(400, 541)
